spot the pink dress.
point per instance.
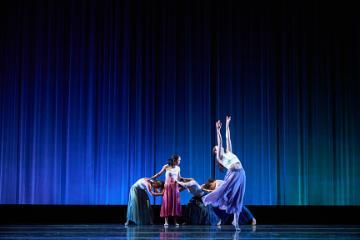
(170, 205)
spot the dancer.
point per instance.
(211, 185)
(139, 209)
(245, 216)
(196, 212)
(230, 195)
(170, 205)
(192, 186)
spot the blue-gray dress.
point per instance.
(230, 195)
(139, 209)
(196, 212)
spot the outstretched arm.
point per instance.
(219, 140)
(184, 179)
(157, 193)
(228, 139)
(159, 173)
(181, 188)
(152, 191)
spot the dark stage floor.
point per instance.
(114, 231)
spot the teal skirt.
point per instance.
(139, 209)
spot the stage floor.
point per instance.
(182, 232)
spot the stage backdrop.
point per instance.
(97, 94)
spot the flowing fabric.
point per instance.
(170, 205)
(230, 195)
(89, 89)
(245, 216)
(139, 209)
(197, 213)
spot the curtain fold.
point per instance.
(97, 94)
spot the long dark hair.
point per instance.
(157, 184)
(207, 184)
(174, 158)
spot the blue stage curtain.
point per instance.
(97, 94)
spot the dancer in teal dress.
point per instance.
(139, 209)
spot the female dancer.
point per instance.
(196, 212)
(139, 210)
(230, 195)
(170, 205)
(245, 216)
(211, 185)
(192, 186)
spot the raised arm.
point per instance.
(219, 140)
(228, 139)
(159, 173)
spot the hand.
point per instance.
(228, 119)
(218, 125)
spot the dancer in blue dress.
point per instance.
(246, 217)
(196, 212)
(230, 195)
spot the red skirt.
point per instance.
(170, 205)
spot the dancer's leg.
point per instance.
(236, 222)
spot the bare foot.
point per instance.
(253, 222)
(236, 225)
